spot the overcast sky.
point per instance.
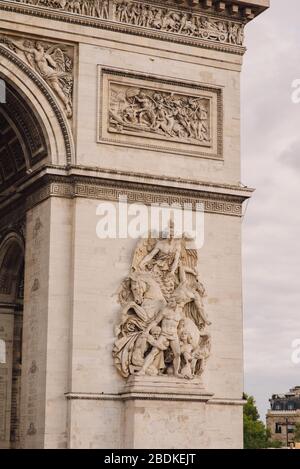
(271, 164)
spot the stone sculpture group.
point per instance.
(164, 327)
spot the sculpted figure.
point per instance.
(146, 109)
(154, 339)
(201, 354)
(240, 35)
(75, 6)
(169, 319)
(166, 252)
(50, 64)
(140, 307)
(134, 14)
(170, 21)
(143, 17)
(186, 25)
(186, 351)
(186, 293)
(233, 33)
(157, 20)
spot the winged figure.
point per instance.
(53, 64)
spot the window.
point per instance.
(278, 428)
(290, 406)
(290, 428)
(2, 351)
(277, 407)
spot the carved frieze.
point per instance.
(95, 8)
(178, 22)
(52, 61)
(160, 115)
(164, 330)
(174, 22)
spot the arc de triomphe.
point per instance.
(120, 343)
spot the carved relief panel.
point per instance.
(159, 114)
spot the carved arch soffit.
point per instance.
(27, 82)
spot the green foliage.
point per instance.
(256, 436)
(250, 409)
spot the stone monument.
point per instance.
(119, 341)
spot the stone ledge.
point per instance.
(205, 396)
(152, 388)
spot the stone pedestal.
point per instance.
(165, 387)
(160, 413)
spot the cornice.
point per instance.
(157, 180)
(216, 13)
(109, 185)
(283, 413)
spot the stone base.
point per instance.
(165, 387)
(164, 412)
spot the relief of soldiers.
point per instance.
(163, 113)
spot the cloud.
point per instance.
(291, 156)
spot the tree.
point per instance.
(256, 436)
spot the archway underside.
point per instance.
(22, 141)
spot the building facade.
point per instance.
(118, 342)
(284, 415)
